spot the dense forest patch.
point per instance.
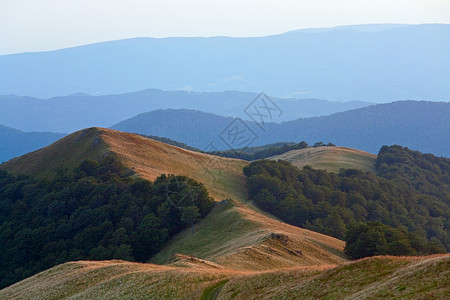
(96, 212)
(411, 195)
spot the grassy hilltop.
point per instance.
(330, 158)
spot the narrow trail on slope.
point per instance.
(213, 292)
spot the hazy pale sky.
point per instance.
(36, 25)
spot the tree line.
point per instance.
(409, 197)
(261, 152)
(97, 211)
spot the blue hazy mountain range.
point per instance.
(14, 142)
(376, 63)
(419, 125)
(78, 111)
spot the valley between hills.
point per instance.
(237, 251)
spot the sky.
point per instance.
(41, 25)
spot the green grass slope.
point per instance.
(330, 158)
(238, 237)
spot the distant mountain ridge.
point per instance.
(14, 142)
(417, 124)
(420, 125)
(79, 110)
(346, 63)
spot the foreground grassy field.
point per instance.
(381, 277)
(370, 278)
(330, 158)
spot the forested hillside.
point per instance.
(404, 196)
(96, 212)
(425, 173)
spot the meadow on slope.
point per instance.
(330, 158)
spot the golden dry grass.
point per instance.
(222, 177)
(330, 158)
(116, 280)
(382, 277)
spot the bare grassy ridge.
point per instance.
(371, 278)
(330, 158)
(67, 152)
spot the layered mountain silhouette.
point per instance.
(369, 63)
(78, 111)
(14, 142)
(416, 124)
